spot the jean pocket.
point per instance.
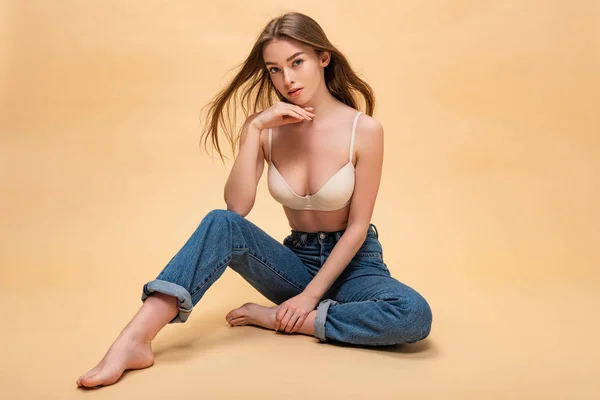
(369, 254)
(371, 247)
(370, 261)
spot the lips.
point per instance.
(293, 91)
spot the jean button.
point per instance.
(322, 236)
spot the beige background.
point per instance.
(488, 204)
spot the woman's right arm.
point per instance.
(241, 186)
(240, 189)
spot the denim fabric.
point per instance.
(364, 306)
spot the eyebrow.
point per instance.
(288, 59)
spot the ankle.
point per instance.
(136, 336)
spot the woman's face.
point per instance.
(294, 65)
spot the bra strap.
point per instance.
(352, 137)
(270, 136)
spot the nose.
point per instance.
(289, 78)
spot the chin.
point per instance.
(299, 102)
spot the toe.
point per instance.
(233, 314)
(86, 381)
(238, 321)
(97, 379)
(82, 378)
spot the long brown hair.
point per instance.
(258, 91)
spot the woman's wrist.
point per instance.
(256, 125)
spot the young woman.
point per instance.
(328, 277)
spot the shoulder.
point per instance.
(368, 138)
(365, 125)
(368, 125)
(369, 132)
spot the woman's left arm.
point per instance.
(369, 165)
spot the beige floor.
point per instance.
(488, 204)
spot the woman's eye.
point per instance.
(271, 70)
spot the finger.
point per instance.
(292, 114)
(297, 115)
(291, 323)
(309, 110)
(298, 324)
(299, 110)
(286, 319)
(277, 319)
(284, 323)
(280, 313)
(305, 112)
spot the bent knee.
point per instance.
(221, 215)
(412, 319)
(217, 222)
(421, 317)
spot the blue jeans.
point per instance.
(364, 306)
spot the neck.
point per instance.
(323, 102)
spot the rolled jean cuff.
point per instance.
(184, 299)
(319, 324)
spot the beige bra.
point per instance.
(335, 193)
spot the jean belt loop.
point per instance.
(337, 236)
(376, 232)
(303, 239)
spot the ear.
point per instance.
(324, 58)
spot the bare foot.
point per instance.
(252, 314)
(125, 353)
